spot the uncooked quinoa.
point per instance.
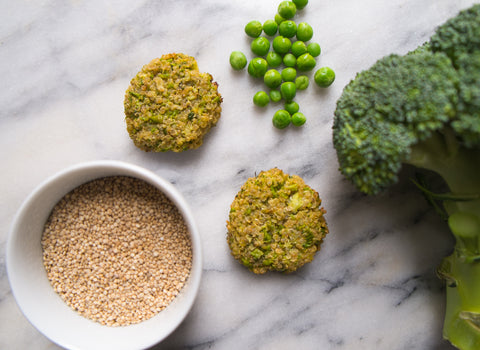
(117, 250)
(170, 105)
(275, 223)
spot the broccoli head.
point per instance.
(422, 108)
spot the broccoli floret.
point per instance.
(398, 103)
(467, 123)
(423, 109)
(459, 35)
(459, 38)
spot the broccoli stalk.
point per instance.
(460, 168)
(461, 271)
(423, 109)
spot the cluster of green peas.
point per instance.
(289, 48)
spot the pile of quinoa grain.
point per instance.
(117, 250)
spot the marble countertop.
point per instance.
(65, 66)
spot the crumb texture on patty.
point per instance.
(170, 105)
(275, 223)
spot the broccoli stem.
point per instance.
(462, 316)
(460, 168)
(461, 270)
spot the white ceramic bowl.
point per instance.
(45, 309)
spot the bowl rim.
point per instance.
(70, 178)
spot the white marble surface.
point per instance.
(64, 67)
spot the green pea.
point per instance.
(287, 9)
(261, 99)
(314, 49)
(281, 45)
(292, 107)
(306, 62)
(304, 31)
(260, 46)
(288, 90)
(238, 61)
(272, 78)
(324, 77)
(279, 19)
(270, 27)
(281, 119)
(275, 95)
(288, 29)
(298, 48)
(289, 60)
(289, 74)
(302, 82)
(298, 119)
(274, 59)
(253, 29)
(257, 67)
(300, 4)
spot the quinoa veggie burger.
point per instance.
(275, 223)
(170, 105)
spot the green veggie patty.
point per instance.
(275, 223)
(170, 105)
